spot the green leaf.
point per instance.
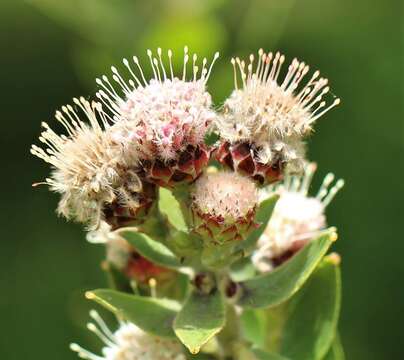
(170, 207)
(253, 324)
(336, 351)
(201, 318)
(153, 315)
(152, 250)
(277, 286)
(313, 314)
(262, 217)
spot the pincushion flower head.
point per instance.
(265, 120)
(297, 218)
(88, 169)
(223, 206)
(164, 120)
(129, 343)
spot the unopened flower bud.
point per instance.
(223, 206)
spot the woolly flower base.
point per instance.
(223, 206)
(272, 116)
(129, 343)
(89, 170)
(296, 219)
(163, 122)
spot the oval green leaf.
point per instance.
(277, 286)
(152, 250)
(313, 314)
(170, 207)
(201, 318)
(152, 315)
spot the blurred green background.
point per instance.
(51, 50)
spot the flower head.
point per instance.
(223, 205)
(129, 343)
(296, 219)
(88, 168)
(272, 116)
(163, 120)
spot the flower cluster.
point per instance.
(265, 120)
(152, 132)
(144, 134)
(129, 343)
(297, 218)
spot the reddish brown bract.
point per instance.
(120, 215)
(242, 157)
(185, 169)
